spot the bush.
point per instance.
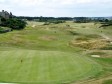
(4, 30)
(46, 23)
(106, 23)
(14, 23)
(82, 20)
(82, 39)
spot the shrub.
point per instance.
(46, 23)
(56, 21)
(82, 39)
(4, 29)
(14, 23)
(73, 33)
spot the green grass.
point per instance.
(45, 66)
(47, 57)
(32, 39)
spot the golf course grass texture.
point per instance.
(45, 67)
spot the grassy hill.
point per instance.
(56, 54)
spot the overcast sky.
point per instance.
(58, 8)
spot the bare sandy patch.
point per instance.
(97, 56)
(33, 26)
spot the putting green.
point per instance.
(32, 66)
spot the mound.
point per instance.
(89, 44)
(31, 66)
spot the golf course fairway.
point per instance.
(45, 67)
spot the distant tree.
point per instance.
(82, 20)
(106, 23)
(16, 23)
(13, 23)
(106, 20)
(3, 20)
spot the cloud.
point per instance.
(53, 2)
(57, 7)
(29, 2)
(45, 2)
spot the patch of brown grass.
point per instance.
(89, 44)
(48, 38)
(17, 39)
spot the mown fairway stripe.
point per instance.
(44, 66)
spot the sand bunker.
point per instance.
(33, 26)
(95, 56)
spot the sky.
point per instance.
(58, 8)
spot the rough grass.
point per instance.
(89, 41)
(101, 53)
(88, 44)
(97, 53)
(108, 47)
(48, 38)
(107, 81)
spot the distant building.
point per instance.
(5, 15)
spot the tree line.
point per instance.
(13, 23)
(76, 19)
